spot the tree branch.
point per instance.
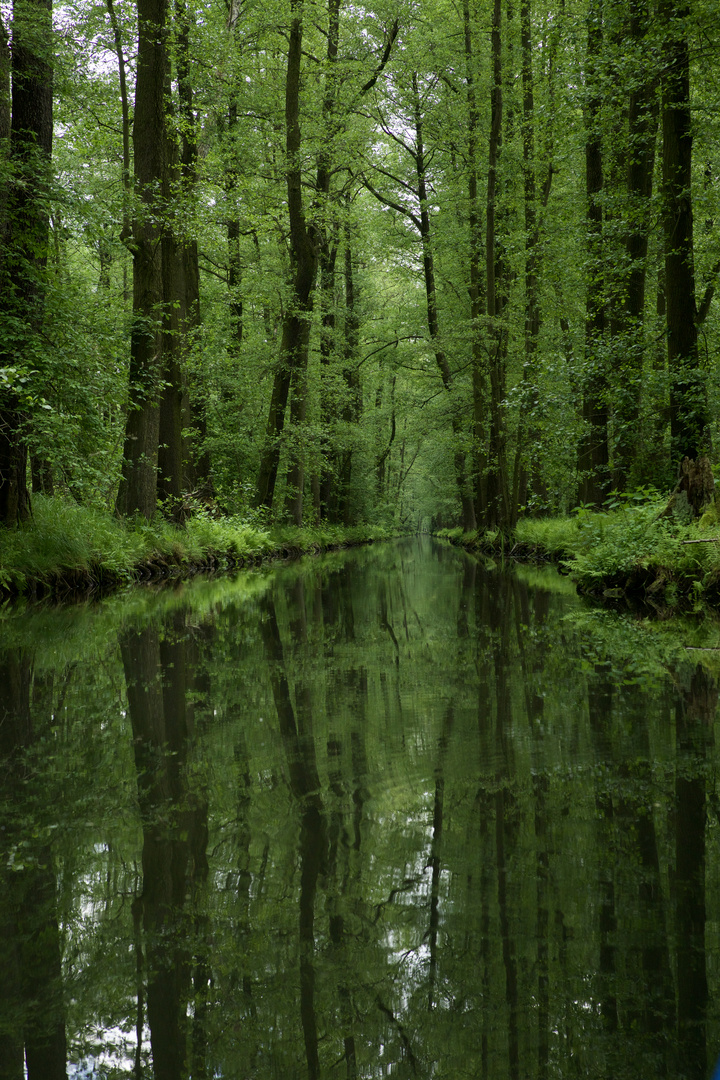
(384, 59)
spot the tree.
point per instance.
(688, 391)
(24, 232)
(138, 487)
(593, 453)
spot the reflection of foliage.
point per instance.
(487, 754)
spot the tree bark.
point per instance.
(461, 477)
(593, 453)
(196, 459)
(477, 299)
(642, 109)
(304, 256)
(138, 485)
(499, 510)
(688, 390)
(24, 228)
(522, 475)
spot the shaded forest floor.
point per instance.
(626, 553)
(67, 550)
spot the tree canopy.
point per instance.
(450, 262)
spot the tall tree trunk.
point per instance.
(138, 485)
(688, 389)
(170, 446)
(462, 479)
(593, 454)
(233, 235)
(353, 405)
(477, 299)
(24, 227)
(327, 489)
(529, 395)
(196, 459)
(304, 254)
(499, 510)
(642, 131)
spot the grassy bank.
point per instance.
(67, 548)
(628, 551)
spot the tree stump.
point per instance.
(694, 490)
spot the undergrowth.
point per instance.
(630, 547)
(65, 545)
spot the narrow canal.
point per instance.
(386, 812)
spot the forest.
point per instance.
(430, 264)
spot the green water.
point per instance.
(387, 812)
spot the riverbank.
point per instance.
(629, 552)
(67, 549)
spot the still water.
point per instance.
(390, 812)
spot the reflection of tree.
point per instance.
(695, 716)
(305, 788)
(532, 664)
(600, 688)
(32, 1013)
(506, 816)
(174, 820)
(436, 851)
(635, 984)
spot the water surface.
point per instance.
(386, 812)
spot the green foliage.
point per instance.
(68, 545)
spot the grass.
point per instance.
(627, 550)
(66, 547)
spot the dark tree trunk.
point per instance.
(138, 485)
(688, 389)
(527, 463)
(593, 454)
(695, 717)
(304, 255)
(24, 226)
(477, 299)
(642, 109)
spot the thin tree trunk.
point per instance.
(353, 406)
(593, 454)
(463, 481)
(530, 394)
(499, 511)
(477, 299)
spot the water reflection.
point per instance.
(384, 813)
